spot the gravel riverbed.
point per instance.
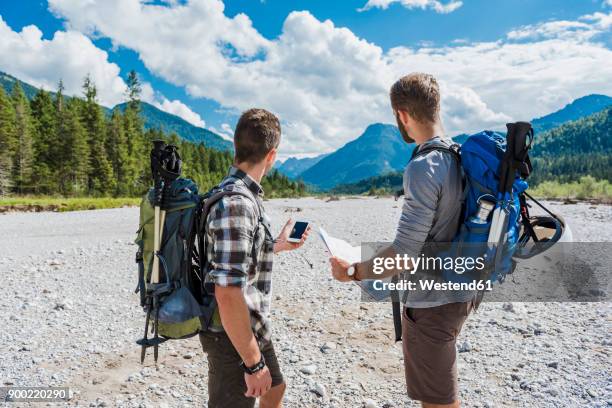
(70, 317)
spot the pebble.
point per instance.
(370, 403)
(319, 389)
(328, 347)
(308, 369)
(465, 347)
(592, 393)
(552, 391)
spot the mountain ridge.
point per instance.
(380, 149)
(578, 108)
(292, 167)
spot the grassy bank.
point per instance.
(36, 204)
(587, 188)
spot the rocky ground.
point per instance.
(70, 318)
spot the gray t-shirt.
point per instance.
(433, 191)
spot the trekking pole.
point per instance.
(145, 339)
(156, 164)
(518, 142)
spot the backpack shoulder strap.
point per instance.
(440, 147)
(216, 196)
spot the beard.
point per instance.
(403, 131)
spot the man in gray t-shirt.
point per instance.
(433, 192)
(431, 321)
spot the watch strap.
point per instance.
(253, 369)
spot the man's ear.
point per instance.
(271, 156)
(404, 117)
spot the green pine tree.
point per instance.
(117, 148)
(74, 155)
(100, 180)
(137, 167)
(45, 143)
(24, 153)
(7, 142)
(59, 96)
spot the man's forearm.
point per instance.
(237, 323)
(364, 270)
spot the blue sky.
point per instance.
(324, 67)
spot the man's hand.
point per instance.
(258, 384)
(282, 244)
(339, 269)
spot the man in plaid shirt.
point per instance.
(241, 358)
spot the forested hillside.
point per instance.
(154, 118)
(55, 145)
(579, 148)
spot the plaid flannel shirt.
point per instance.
(240, 248)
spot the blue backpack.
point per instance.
(496, 172)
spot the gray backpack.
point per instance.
(179, 306)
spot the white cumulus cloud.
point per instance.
(181, 110)
(69, 56)
(225, 131)
(585, 28)
(327, 84)
(436, 5)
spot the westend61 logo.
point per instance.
(432, 284)
(460, 264)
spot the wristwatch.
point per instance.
(352, 272)
(253, 369)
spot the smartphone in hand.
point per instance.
(298, 230)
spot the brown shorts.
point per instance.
(226, 386)
(429, 336)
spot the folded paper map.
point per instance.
(340, 248)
